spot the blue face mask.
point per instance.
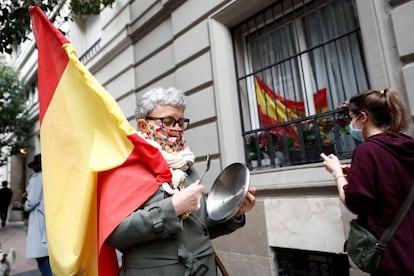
(356, 133)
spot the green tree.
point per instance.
(15, 19)
(15, 123)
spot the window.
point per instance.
(296, 63)
(303, 262)
(31, 93)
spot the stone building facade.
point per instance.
(299, 223)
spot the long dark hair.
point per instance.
(384, 107)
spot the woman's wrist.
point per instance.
(339, 176)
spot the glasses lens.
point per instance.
(168, 122)
(183, 123)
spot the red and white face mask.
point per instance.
(170, 140)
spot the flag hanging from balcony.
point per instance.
(321, 103)
(274, 108)
(96, 169)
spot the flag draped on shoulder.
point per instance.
(96, 169)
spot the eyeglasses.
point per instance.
(170, 122)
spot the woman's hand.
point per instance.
(332, 164)
(188, 199)
(338, 171)
(248, 203)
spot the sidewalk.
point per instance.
(14, 236)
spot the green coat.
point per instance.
(154, 241)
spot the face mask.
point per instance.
(356, 133)
(169, 140)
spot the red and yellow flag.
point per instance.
(320, 101)
(274, 108)
(96, 169)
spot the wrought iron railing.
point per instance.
(300, 141)
(89, 53)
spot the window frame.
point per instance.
(251, 123)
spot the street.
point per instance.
(14, 236)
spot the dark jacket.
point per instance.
(380, 178)
(5, 197)
(154, 241)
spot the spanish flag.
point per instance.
(96, 169)
(274, 108)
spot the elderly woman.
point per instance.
(170, 234)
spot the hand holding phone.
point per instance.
(345, 168)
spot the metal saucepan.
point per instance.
(228, 192)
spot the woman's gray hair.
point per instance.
(150, 99)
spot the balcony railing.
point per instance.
(300, 141)
(91, 51)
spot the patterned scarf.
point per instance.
(179, 159)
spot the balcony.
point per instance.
(300, 141)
